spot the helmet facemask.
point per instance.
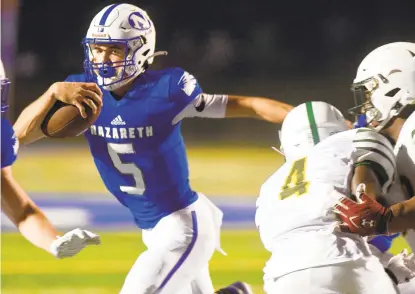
(377, 100)
(4, 92)
(4, 89)
(113, 75)
(364, 111)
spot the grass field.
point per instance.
(215, 171)
(101, 270)
(219, 170)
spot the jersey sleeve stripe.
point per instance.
(378, 169)
(378, 152)
(384, 162)
(373, 142)
(365, 133)
(363, 130)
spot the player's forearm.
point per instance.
(257, 107)
(403, 216)
(363, 174)
(34, 226)
(28, 124)
(24, 213)
(37, 229)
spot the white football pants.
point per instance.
(178, 251)
(364, 276)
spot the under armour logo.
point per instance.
(369, 224)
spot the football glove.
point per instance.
(365, 217)
(73, 242)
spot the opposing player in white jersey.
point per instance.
(384, 90)
(294, 207)
(328, 120)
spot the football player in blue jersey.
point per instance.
(17, 205)
(139, 152)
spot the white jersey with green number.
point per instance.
(295, 204)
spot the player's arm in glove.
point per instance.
(368, 217)
(34, 225)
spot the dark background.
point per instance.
(288, 50)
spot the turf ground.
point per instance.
(27, 270)
(215, 171)
(218, 170)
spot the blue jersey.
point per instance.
(9, 144)
(138, 151)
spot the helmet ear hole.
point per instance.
(393, 92)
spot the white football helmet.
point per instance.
(306, 125)
(384, 84)
(126, 24)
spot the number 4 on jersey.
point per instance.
(295, 183)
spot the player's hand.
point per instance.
(402, 265)
(73, 242)
(366, 217)
(78, 94)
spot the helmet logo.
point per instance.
(138, 21)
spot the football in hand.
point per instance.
(65, 120)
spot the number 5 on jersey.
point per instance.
(115, 150)
(295, 183)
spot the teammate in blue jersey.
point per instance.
(17, 205)
(139, 151)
